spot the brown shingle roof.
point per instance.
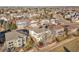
(55, 27)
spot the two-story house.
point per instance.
(16, 38)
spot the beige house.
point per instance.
(57, 30)
(72, 28)
(15, 39)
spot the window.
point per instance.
(18, 40)
(9, 43)
(19, 44)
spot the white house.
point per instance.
(53, 21)
(40, 34)
(44, 22)
(4, 18)
(67, 16)
(34, 23)
(21, 24)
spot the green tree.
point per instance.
(12, 26)
(66, 31)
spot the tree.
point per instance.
(29, 43)
(12, 26)
(1, 22)
(57, 40)
(66, 31)
(78, 31)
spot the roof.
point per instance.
(4, 18)
(23, 20)
(55, 27)
(72, 26)
(38, 30)
(23, 31)
(13, 35)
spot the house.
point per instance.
(57, 30)
(75, 19)
(16, 38)
(21, 24)
(4, 18)
(67, 16)
(40, 34)
(72, 28)
(44, 22)
(34, 23)
(53, 21)
(56, 21)
(4, 23)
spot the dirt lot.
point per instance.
(72, 46)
